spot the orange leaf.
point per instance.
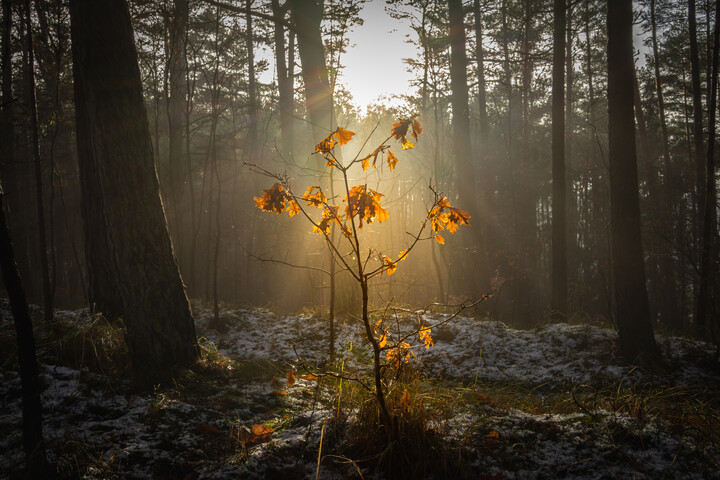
(492, 438)
(258, 434)
(392, 160)
(399, 129)
(309, 377)
(326, 146)
(262, 430)
(290, 378)
(280, 392)
(424, 334)
(343, 136)
(440, 239)
(329, 216)
(292, 208)
(365, 203)
(273, 199)
(407, 144)
(390, 266)
(365, 163)
(403, 255)
(316, 199)
(416, 128)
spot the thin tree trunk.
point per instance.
(666, 295)
(525, 224)
(34, 130)
(659, 90)
(698, 140)
(188, 166)
(176, 72)
(426, 55)
(35, 460)
(285, 86)
(33, 445)
(252, 85)
(559, 202)
(460, 106)
(7, 134)
(306, 16)
(633, 314)
(482, 86)
(706, 316)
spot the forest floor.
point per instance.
(490, 402)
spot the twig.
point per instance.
(282, 262)
(325, 373)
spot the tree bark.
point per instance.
(285, 83)
(698, 140)
(306, 16)
(633, 314)
(525, 224)
(33, 445)
(114, 143)
(559, 201)
(482, 84)
(460, 107)
(177, 76)
(35, 460)
(37, 163)
(7, 133)
(667, 289)
(706, 314)
(252, 85)
(465, 161)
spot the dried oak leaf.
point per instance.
(273, 199)
(343, 136)
(389, 266)
(365, 203)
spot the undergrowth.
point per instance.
(447, 429)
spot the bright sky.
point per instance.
(373, 62)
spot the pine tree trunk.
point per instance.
(706, 314)
(35, 460)
(651, 180)
(699, 144)
(37, 163)
(525, 225)
(114, 142)
(465, 162)
(177, 67)
(285, 83)
(482, 84)
(7, 133)
(666, 295)
(306, 16)
(559, 202)
(633, 314)
(698, 140)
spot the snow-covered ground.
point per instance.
(107, 428)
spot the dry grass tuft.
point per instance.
(419, 449)
(98, 346)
